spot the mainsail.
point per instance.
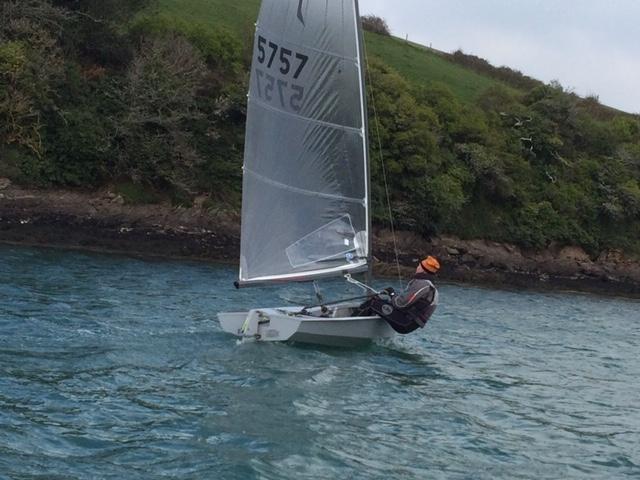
(305, 211)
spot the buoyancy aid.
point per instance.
(410, 310)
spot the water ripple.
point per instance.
(116, 368)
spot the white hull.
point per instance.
(333, 328)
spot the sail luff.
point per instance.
(365, 135)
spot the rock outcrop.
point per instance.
(104, 222)
(487, 262)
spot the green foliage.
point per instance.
(13, 59)
(630, 198)
(12, 160)
(236, 17)
(498, 99)
(375, 24)
(30, 64)
(505, 74)
(536, 225)
(488, 172)
(77, 149)
(419, 65)
(408, 136)
(448, 196)
(468, 126)
(137, 194)
(219, 47)
(626, 129)
(151, 95)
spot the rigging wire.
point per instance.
(384, 168)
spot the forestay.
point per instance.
(305, 191)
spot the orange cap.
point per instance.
(430, 264)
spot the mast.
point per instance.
(365, 134)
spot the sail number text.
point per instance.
(289, 94)
(285, 58)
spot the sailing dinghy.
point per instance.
(306, 197)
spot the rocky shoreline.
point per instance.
(488, 263)
(101, 221)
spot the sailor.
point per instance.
(412, 308)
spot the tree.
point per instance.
(161, 90)
(30, 63)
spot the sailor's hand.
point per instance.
(384, 296)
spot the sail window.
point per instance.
(335, 240)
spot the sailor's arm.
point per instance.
(417, 289)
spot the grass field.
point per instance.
(417, 64)
(236, 15)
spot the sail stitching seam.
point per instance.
(310, 120)
(303, 191)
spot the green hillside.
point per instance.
(239, 16)
(149, 97)
(417, 64)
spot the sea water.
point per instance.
(116, 368)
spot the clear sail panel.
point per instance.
(305, 211)
(335, 241)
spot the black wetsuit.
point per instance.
(409, 310)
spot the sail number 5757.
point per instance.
(290, 65)
(268, 52)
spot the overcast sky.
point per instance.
(590, 46)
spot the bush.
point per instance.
(221, 50)
(491, 179)
(504, 74)
(498, 99)
(630, 198)
(155, 141)
(375, 24)
(11, 160)
(536, 225)
(13, 59)
(31, 62)
(77, 148)
(448, 197)
(136, 194)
